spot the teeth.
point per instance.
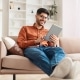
(42, 21)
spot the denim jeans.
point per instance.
(45, 57)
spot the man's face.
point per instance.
(41, 19)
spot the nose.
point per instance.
(44, 18)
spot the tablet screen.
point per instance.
(53, 30)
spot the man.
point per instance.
(44, 54)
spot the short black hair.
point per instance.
(42, 10)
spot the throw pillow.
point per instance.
(12, 46)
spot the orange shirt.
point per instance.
(28, 35)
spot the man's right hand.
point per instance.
(39, 40)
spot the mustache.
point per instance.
(41, 20)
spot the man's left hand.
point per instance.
(54, 39)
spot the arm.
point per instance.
(22, 40)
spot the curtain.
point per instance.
(0, 18)
(77, 27)
(71, 18)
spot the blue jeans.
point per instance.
(45, 57)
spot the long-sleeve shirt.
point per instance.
(28, 35)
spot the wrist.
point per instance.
(36, 42)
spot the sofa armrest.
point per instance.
(3, 51)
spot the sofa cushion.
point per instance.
(74, 56)
(12, 46)
(18, 62)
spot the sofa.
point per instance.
(17, 64)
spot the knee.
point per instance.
(31, 52)
(58, 48)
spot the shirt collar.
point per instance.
(36, 28)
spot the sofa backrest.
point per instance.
(13, 37)
(70, 45)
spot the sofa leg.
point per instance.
(14, 77)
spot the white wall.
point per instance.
(59, 10)
(0, 17)
(5, 17)
(69, 17)
(0, 23)
(77, 27)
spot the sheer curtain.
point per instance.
(77, 27)
(0, 17)
(71, 18)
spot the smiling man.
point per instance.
(47, 55)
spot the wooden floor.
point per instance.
(31, 77)
(24, 77)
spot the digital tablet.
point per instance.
(53, 30)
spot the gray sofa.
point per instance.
(16, 64)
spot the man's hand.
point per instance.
(44, 43)
(54, 39)
(39, 40)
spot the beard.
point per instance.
(41, 22)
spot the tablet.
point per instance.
(53, 30)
